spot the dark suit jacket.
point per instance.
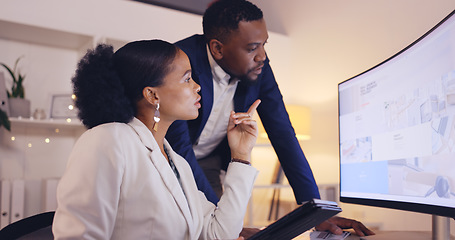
(183, 134)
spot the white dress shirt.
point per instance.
(223, 103)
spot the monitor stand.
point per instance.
(441, 228)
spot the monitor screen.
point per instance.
(397, 128)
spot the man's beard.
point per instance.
(247, 81)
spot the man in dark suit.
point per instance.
(230, 64)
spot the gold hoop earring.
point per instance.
(156, 117)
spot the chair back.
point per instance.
(37, 227)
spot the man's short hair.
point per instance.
(223, 16)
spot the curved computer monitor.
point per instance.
(397, 128)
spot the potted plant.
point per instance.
(19, 106)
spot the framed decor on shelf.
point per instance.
(62, 106)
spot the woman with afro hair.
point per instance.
(123, 180)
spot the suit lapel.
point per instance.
(164, 169)
(206, 82)
(189, 188)
(202, 74)
(240, 98)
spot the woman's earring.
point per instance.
(156, 117)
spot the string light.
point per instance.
(46, 140)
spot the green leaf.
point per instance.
(15, 64)
(4, 121)
(10, 71)
(20, 79)
(20, 91)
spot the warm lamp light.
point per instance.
(300, 119)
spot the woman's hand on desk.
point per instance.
(336, 224)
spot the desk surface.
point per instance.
(401, 235)
(385, 235)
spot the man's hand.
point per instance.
(336, 224)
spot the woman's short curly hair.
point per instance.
(108, 85)
(223, 16)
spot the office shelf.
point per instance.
(74, 124)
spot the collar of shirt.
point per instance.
(219, 75)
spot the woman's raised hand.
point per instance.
(242, 132)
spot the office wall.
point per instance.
(114, 21)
